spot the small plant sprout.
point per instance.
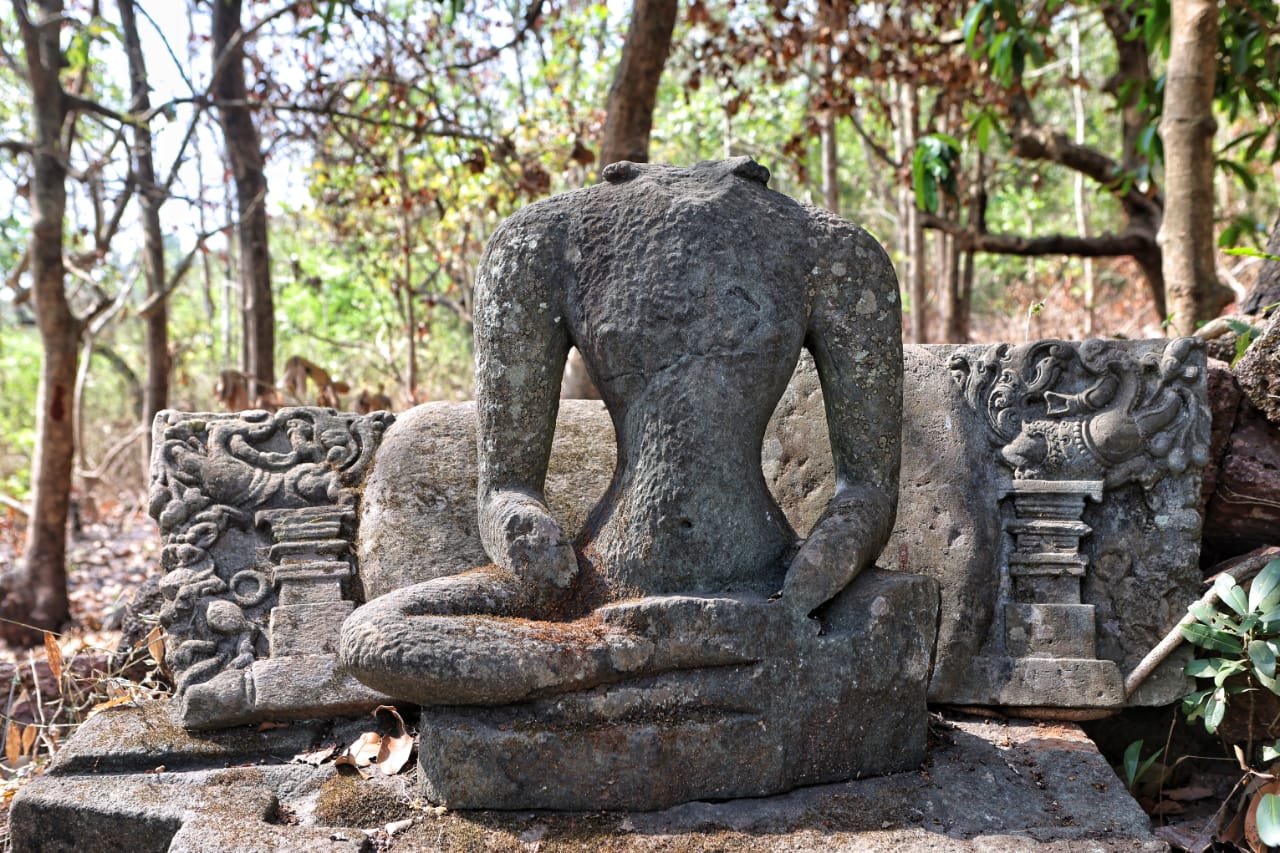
(1243, 639)
(1134, 765)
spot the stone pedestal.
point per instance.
(845, 701)
(1050, 636)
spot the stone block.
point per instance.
(307, 629)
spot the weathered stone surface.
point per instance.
(1224, 404)
(953, 514)
(690, 294)
(987, 786)
(1258, 370)
(257, 512)
(948, 523)
(1099, 448)
(1244, 512)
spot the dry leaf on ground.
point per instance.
(396, 749)
(316, 757)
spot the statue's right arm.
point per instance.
(521, 342)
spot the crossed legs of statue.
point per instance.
(476, 639)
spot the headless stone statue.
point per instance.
(686, 605)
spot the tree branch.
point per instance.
(75, 103)
(530, 20)
(1034, 142)
(1125, 244)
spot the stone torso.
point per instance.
(690, 366)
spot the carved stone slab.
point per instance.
(1093, 453)
(258, 515)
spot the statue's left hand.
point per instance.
(826, 563)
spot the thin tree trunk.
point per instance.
(1193, 293)
(35, 593)
(156, 391)
(406, 257)
(634, 91)
(830, 163)
(918, 288)
(627, 124)
(244, 155)
(1081, 199)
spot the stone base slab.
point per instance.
(987, 786)
(1042, 683)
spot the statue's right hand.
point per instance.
(524, 539)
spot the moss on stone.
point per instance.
(352, 801)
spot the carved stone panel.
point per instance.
(1098, 448)
(258, 514)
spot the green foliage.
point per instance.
(1135, 767)
(1268, 817)
(1245, 333)
(19, 372)
(933, 167)
(1008, 39)
(1244, 640)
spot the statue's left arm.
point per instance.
(855, 336)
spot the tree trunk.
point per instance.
(35, 592)
(917, 287)
(244, 155)
(628, 121)
(830, 163)
(156, 391)
(1192, 290)
(634, 91)
(410, 293)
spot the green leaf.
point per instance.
(1267, 682)
(1270, 751)
(1226, 669)
(1215, 710)
(1202, 667)
(1264, 592)
(1211, 639)
(982, 131)
(973, 20)
(1205, 613)
(1231, 595)
(1132, 755)
(1240, 171)
(1269, 819)
(1193, 704)
(1248, 252)
(1263, 657)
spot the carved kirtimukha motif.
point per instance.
(257, 512)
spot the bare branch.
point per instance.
(75, 103)
(530, 21)
(149, 305)
(1124, 244)
(16, 146)
(1034, 142)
